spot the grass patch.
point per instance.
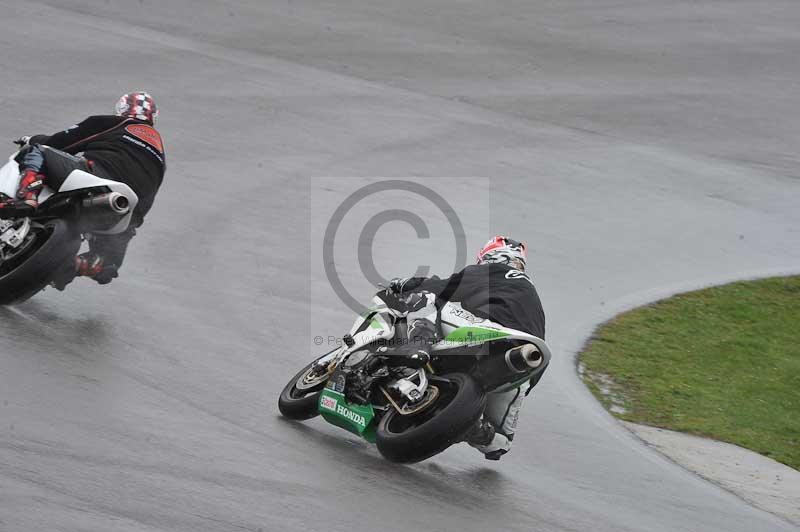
(723, 362)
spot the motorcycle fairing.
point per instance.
(335, 409)
(376, 323)
(460, 327)
(77, 179)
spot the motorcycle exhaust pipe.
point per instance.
(111, 202)
(523, 358)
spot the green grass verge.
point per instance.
(722, 362)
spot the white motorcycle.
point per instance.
(34, 249)
(413, 413)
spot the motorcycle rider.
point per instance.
(496, 288)
(123, 147)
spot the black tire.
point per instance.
(407, 439)
(300, 404)
(55, 244)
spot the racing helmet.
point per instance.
(138, 105)
(504, 250)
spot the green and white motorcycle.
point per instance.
(413, 413)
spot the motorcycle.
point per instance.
(35, 250)
(413, 413)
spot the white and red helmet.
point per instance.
(504, 251)
(138, 105)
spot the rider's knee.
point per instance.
(33, 159)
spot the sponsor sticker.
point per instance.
(352, 416)
(516, 274)
(465, 315)
(328, 403)
(147, 134)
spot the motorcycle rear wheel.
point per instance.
(47, 248)
(416, 437)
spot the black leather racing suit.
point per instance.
(496, 292)
(506, 296)
(118, 148)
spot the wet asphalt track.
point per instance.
(641, 147)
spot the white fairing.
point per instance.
(78, 179)
(9, 177)
(453, 315)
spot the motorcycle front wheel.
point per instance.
(300, 396)
(416, 437)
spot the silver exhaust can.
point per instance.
(111, 202)
(523, 358)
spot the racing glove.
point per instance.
(400, 284)
(22, 141)
(396, 285)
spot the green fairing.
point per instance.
(474, 335)
(357, 419)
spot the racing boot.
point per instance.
(30, 186)
(416, 353)
(27, 200)
(88, 264)
(485, 438)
